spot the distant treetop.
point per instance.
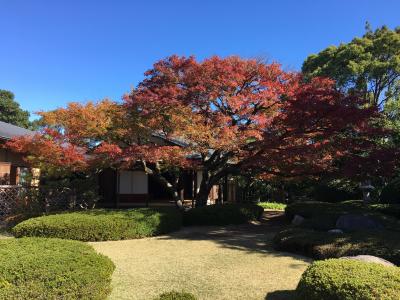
(10, 111)
(369, 65)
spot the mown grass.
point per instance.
(272, 205)
(208, 263)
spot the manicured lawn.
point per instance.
(272, 205)
(234, 262)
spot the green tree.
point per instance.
(11, 112)
(369, 65)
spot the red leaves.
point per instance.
(252, 114)
(47, 150)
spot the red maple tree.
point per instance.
(227, 114)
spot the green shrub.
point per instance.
(272, 205)
(39, 268)
(311, 209)
(339, 279)
(391, 192)
(176, 296)
(322, 245)
(323, 216)
(222, 214)
(387, 209)
(102, 224)
(327, 193)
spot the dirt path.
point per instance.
(232, 262)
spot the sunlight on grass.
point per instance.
(223, 265)
(272, 205)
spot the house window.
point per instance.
(5, 169)
(133, 182)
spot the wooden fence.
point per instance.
(20, 199)
(10, 195)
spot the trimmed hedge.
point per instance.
(102, 224)
(38, 268)
(323, 215)
(311, 209)
(339, 279)
(322, 245)
(222, 214)
(173, 295)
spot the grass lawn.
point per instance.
(272, 205)
(234, 262)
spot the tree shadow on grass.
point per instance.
(281, 295)
(252, 238)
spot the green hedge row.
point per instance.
(322, 245)
(323, 215)
(37, 268)
(222, 214)
(102, 224)
(340, 279)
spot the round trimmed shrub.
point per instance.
(173, 295)
(102, 224)
(222, 214)
(342, 279)
(391, 192)
(39, 268)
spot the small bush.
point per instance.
(387, 209)
(391, 192)
(176, 296)
(222, 214)
(323, 216)
(322, 245)
(38, 268)
(327, 193)
(339, 279)
(102, 224)
(272, 205)
(311, 209)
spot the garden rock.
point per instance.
(335, 231)
(297, 220)
(370, 259)
(357, 222)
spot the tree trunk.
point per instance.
(204, 190)
(171, 188)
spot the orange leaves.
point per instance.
(46, 151)
(78, 121)
(248, 113)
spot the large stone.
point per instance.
(370, 259)
(357, 222)
(297, 220)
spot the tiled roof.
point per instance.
(7, 131)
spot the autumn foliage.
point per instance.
(223, 114)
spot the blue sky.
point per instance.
(54, 52)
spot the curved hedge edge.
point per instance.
(102, 224)
(41, 268)
(222, 214)
(340, 279)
